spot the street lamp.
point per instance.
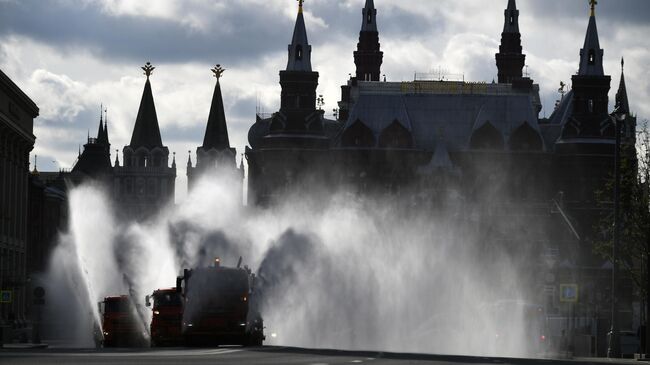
(614, 348)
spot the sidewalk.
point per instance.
(25, 346)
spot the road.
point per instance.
(262, 355)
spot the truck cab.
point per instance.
(217, 306)
(120, 324)
(167, 308)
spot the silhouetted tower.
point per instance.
(145, 182)
(590, 117)
(298, 113)
(623, 107)
(95, 160)
(368, 57)
(510, 59)
(215, 153)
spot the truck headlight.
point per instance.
(105, 333)
(156, 312)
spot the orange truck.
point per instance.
(217, 307)
(120, 325)
(166, 321)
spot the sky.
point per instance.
(71, 56)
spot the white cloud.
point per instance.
(69, 79)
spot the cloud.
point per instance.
(72, 55)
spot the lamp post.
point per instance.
(614, 348)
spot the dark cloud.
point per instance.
(619, 11)
(70, 26)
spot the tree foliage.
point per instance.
(634, 210)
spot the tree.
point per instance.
(634, 249)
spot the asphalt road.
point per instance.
(262, 355)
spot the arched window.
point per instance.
(592, 57)
(486, 138)
(395, 136)
(358, 135)
(369, 20)
(299, 53)
(512, 19)
(525, 138)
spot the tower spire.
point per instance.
(593, 4)
(299, 49)
(146, 132)
(100, 130)
(216, 132)
(622, 103)
(107, 141)
(510, 59)
(368, 57)
(591, 55)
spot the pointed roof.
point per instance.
(101, 130)
(146, 132)
(107, 140)
(622, 103)
(511, 24)
(299, 49)
(591, 55)
(369, 23)
(216, 132)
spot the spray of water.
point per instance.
(336, 271)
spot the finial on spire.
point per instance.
(148, 69)
(218, 71)
(593, 6)
(101, 114)
(300, 5)
(622, 64)
(35, 164)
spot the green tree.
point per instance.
(634, 246)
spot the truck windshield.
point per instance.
(116, 306)
(167, 300)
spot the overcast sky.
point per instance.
(71, 55)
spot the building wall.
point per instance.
(17, 113)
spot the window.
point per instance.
(369, 20)
(590, 105)
(299, 53)
(592, 57)
(512, 19)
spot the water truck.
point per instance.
(219, 306)
(121, 325)
(166, 321)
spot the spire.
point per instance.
(511, 24)
(369, 23)
(299, 49)
(368, 56)
(622, 103)
(591, 55)
(189, 159)
(216, 132)
(146, 132)
(107, 141)
(510, 59)
(117, 158)
(174, 161)
(100, 130)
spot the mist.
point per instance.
(335, 270)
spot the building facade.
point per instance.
(485, 141)
(17, 113)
